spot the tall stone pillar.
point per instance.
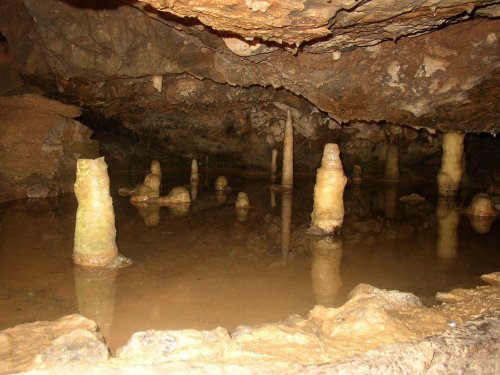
(451, 171)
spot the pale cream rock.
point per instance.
(450, 174)
(328, 210)
(287, 170)
(95, 233)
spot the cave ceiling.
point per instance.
(231, 68)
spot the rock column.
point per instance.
(287, 171)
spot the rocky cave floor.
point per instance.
(375, 331)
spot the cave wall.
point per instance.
(39, 146)
(231, 70)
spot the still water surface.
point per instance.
(210, 266)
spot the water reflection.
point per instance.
(286, 222)
(448, 219)
(481, 224)
(149, 213)
(326, 255)
(390, 201)
(96, 293)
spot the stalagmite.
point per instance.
(242, 206)
(448, 219)
(95, 233)
(149, 213)
(194, 171)
(274, 165)
(221, 184)
(149, 189)
(286, 222)
(242, 200)
(326, 255)
(158, 82)
(328, 211)
(357, 174)
(221, 196)
(96, 294)
(450, 174)
(287, 170)
(178, 194)
(391, 174)
(156, 169)
(481, 213)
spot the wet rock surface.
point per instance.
(375, 331)
(43, 164)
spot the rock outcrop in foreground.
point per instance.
(376, 331)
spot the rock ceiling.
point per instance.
(234, 66)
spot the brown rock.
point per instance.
(44, 163)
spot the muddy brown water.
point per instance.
(211, 266)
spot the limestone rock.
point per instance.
(492, 278)
(70, 339)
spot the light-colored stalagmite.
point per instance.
(147, 190)
(451, 171)
(96, 294)
(481, 213)
(242, 206)
(326, 255)
(391, 174)
(221, 184)
(95, 233)
(194, 171)
(178, 194)
(287, 170)
(286, 222)
(274, 165)
(328, 210)
(194, 189)
(448, 219)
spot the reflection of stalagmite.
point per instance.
(221, 196)
(194, 171)
(391, 174)
(326, 255)
(95, 293)
(95, 233)
(286, 221)
(450, 174)
(179, 210)
(328, 212)
(357, 174)
(178, 194)
(481, 213)
(150, 214)
(287, 170)
(273, 199)
(448, 219)
(274, 166)
(390, 201)
(194, 189)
